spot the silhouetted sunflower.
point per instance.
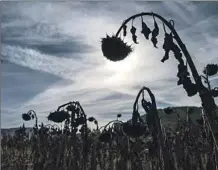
(105, 137)
(26, 116)
(134, 131)
(91, 119)
(58, 116)
(114, 48)
(211, 69)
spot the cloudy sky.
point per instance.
(52, 55)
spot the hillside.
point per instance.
(168, 120)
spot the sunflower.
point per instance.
(58, 116)
(114, 48)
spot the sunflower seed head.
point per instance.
(114, 48)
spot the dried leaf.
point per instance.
(145, 30)
(166, 56)
(155, 31)
(168, 41)
(134, 38)
(154, 41)
(133, 30)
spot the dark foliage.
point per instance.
(168, 110)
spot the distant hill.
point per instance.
(171, 120)
(168, 120)
(11, 131)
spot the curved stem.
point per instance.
(150, 94)
(97, 127)
(177, 38)
(36, 122)
(207, 99)
(80, 107)
(59, 107)
(113, 121)
(137, 97)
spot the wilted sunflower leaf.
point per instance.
(166, 56)
(168, 41)
(134, 38)
(182, 73)
(133, 30)
(177, 52)
(154, 41)
(145, 30)
(190, 87)
(155, 33)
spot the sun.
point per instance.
(136, 68)
(122, 72)
(126, 65)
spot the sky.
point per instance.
(52, 55)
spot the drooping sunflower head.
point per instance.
(26, 117)
(114, 48)
(58, 116)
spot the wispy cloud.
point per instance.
(60, 42)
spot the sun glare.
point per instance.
(122, 71)
(125, 65)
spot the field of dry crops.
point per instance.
(172, 138)
(185, 144)
(51, 148)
